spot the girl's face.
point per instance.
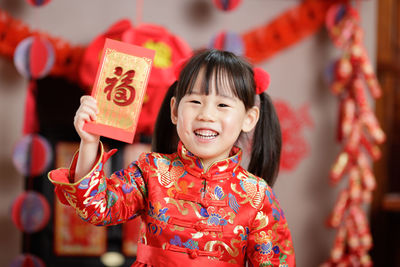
(209, 125)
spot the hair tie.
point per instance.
(261, 78)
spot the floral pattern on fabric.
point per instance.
(224, 215)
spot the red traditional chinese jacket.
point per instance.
(222, 216)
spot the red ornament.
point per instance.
(227, 5)
(179, 67)
(32, 155)
(262, 80)
(34, 57)
(38, 3)
(228, 41)
(30, 212)
(27, 260)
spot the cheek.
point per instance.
(232, 118)
(183, 125)
(233, 122)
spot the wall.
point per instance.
(297, 78)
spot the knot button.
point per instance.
(198, 227)
(205, 176)
(193, 253)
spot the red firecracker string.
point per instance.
(359, 133)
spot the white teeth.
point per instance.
(207, 134)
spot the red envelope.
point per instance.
(119, 88)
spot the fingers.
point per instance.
(86, 112)
(88, 109)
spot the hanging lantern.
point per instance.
(227, 5)
(27, 260)
(38, 2)
(30, 212)
(34, 57)
(228, 41)
(32, 155)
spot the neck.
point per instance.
(206, 164)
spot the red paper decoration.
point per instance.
(32, 155)
(30, 212)
(294, 145)
(38, 3)
(227, 5)
(228, 41)
(27, 260)
(34, 57)
(287, 29)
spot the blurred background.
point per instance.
(337, 183)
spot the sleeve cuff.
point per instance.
(65, 176)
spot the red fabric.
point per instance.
(152, 256)
(224, 214)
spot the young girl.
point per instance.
(198, 205)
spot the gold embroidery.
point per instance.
(181, 205)
(287, 243)
(70, 189)
(209, 246)
(252, 192)
(246, 198)
(232, 217)
(177, 228)
(181, 209)
(263, 220)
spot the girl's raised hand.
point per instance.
(87, 111)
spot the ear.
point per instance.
(174, 111)
(251, 119)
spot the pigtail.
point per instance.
(267, 143)
(165, 138)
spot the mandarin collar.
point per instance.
(221, 169)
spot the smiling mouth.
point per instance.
(206, 134)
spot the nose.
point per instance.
(206, 113)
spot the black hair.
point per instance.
(266, 142)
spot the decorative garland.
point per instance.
(287, 29)
(67, 57)
(360, 134)
(261, 43)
